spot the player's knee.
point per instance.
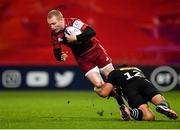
(148, 116)
(99, 89)
(107, 69)
(98, 84)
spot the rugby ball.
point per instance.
(72, 30)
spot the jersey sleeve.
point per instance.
(88, 33)
(79, 24)
(57, 51)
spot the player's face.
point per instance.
(55, 24)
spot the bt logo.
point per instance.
(164, 78)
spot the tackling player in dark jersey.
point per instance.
(138, 91)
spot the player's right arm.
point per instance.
(58, 54)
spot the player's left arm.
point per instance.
(86, 34)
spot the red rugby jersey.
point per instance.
(78, 49)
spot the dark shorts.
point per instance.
(139, 91)
(96, 57)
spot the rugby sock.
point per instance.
(136, 114)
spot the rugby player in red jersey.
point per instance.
(88, 52)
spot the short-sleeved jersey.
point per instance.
(123, 76)
(78, 49)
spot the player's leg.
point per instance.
(107, 69)
(151, 93)
(92, 73)
(103, 61)
(140, 109)
(148, 114)
(101, 88)
(142, 113)
(154, 96)
(90, 64)
(163, 107)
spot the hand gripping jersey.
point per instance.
(125, 75)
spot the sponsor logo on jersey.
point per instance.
(78, 24)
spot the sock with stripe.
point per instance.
(136, 114)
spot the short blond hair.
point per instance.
(55, 13)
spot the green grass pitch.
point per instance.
(76, 110)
